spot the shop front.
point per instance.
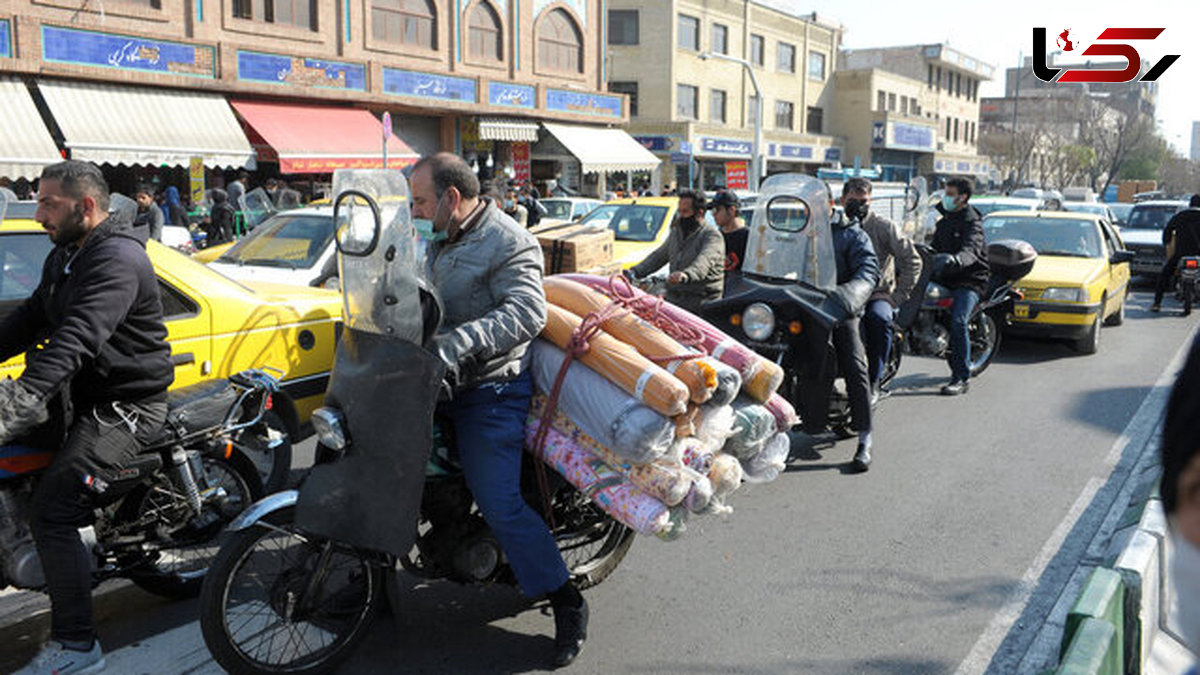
(713, 157)
(26, 145)
(899, 148)
(572, 159)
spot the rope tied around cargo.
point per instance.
(649, 308)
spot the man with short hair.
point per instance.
(148, 223)
(726, 210)
(960, 265)
(1184, 229)
(94, 389)
(696, 254)
(488, 271)
(514, 209)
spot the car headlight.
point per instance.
(330, 426)
(1065, 294)
(758, 321)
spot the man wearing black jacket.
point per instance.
(96, 355)
(961, 265)
(1184, 228)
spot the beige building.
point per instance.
(697, 113)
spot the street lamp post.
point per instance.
(756, 168)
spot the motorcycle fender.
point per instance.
(263, 508)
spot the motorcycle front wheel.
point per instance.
(985, 341)
(278, 600)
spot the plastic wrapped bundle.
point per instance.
(729, 383)
(693, 454)
(784, 412)
(726, 477)
(615, 419)
(700, 495)
(714, 425)
(753, 424)
(620, 364)
(770, 461)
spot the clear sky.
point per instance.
(999, 32)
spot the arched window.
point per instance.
(406, 22)
(560, 44)
(484, 35)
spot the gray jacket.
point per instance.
(490, 282)
(699, 255)
(899, 261)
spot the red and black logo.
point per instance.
(1129, 74)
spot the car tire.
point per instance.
(1090, 342)
(1118, 317)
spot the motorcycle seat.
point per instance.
(195, 408)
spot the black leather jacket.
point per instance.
(960, 233)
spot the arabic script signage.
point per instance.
(426, 85)
(510, 95)
(911, 137)
(580, 103)
(724, 146)
(121, 52)
(5, 37)
(300, 71)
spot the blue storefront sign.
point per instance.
(109, 50)
(656, 143)
(795, 152)
(511, 95)
(833, 154)
(878, 133)
(964, 166)
(580, 103)
(725, 146)
(300, 71)
(5, 37)
(911, 137)
(427, 85)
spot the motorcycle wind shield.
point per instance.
(916, 209)
(790, 235)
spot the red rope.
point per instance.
(649, 308)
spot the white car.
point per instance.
(1143, 231)
(292, 247)
(561, 210)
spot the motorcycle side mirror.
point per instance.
(1119, 257)
(357, 223)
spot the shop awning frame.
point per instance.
(26, 146)
(509, 130)
(602, 150)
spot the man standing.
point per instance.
(727, 214)
(514, 209)
(237, 189)
(899, 267)
(1184, 228)
(961, 265)
(488, 271)
(696, 254)
(149, 220)
(96, 354)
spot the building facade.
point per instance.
(696, 110)
(1194, 155)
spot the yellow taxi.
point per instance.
(207, 255)
(640, 224)
(1080, 280)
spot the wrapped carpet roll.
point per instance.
(770, 461)
(753, 424)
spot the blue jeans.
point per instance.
(878, 330)
(489, 427)
(965, 301)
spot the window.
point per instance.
(947, 128)
(689, 32)
(484, 34)
(299, 13)
(904, 105)
(915, 107)
(958, 84)
(720, 39)
(891, 102)
(623, 27)
(630, 89)
(560, 44)
(816, 119)
(784, 115)
(716, 105)
(881, 101)
(175, 304)
(939, 78)
(816, 65)
(785, 58)
(929, 81)
(752, 110)
(956, 130)
(687, 101)
(758, 50)
(407, 22)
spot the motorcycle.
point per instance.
(157, 517)
(303, 573)
(1187, 276)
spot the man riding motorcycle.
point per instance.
(488, 271)
(97, 356)
(695, 251)
(961, 265)
(1184, 228)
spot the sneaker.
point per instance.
(955, 388)
(878, 393)
(55, 659)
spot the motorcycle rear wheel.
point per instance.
(1189, 296)
(591, 542)
(274, 584)
(985, 342)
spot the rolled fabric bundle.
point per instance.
(611, 491)
(616, 420)
(784, 412)
(699, 496)
(676, 524)
(760, 377)
(694, 455)
(684, 363)
(770, 461)
(725, 476)
(729, 383)
(661, 480)
(714, 425)
(753, 424)
(620, 364)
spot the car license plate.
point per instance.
(1021, 311)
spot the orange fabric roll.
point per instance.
(764, 381)
(699, 377)
(620, 364)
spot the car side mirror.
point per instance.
(1122, 257)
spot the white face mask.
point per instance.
(1185, 575)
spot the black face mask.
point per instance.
(689, 223)
(856, 209)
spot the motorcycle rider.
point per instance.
(1184, 228)
(488, 271)
(726, 210)
(899, 268)
(961, 265)
(97, 358)
(1180, 489)
(696, 253)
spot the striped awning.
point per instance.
(602, 150)
(513, 131)
(25, 145)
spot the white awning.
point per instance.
(513, 131)
(603, 150)
(25, 145)
(112, 124)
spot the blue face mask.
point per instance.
(948, 203)
(426, 232)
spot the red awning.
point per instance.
(319, 139)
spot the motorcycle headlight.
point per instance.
(758, 321)
(1065, 294)
(330, 426)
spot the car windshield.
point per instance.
(1147, 217)
(1121, 211)
(629, 222)
(1094, 209)
(986, 207)
(22, 210)
(1049, 236)
(558, 209)
(290, 240)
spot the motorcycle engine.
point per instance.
(477, 556)
(929, 336)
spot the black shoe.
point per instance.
(570, 632)
(862, 459)
(955, 388)
(878, 393)
(1155, 307)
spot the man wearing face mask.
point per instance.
(696, 254)
(514, 209)
(960, 265)
(1180, 490)
(488, 271)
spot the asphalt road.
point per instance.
(896, 571)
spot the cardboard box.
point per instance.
(606, 270)
(576, 248)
